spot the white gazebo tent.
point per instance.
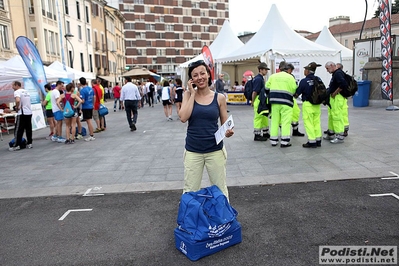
(15, 69)
(72, 73)
(327, 39)
(225, 42)
(275, 40)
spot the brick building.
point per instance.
(161, 34)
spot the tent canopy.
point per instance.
(140, 72)
(225, 42)
(327, 39)
(15, 69)
(277, 37)
(72, 73)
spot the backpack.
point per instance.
(352, 86)
(248, 90)
(152, 88)
(264, 106)
(319, 92)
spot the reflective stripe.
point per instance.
(281, 97)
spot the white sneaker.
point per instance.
(79, 136)
(90, 138)
(54, 138)
(336, 141)
(29, 146)
(14, 148)
(61, 140)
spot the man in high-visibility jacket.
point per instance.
(282, 87)
(310, 112)
(335, 114)
(261, 122)
(295, 109)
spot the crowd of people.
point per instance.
(282, 91)
(203, 105)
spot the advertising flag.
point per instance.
(32, 60)
(206, 53)
(386, 50)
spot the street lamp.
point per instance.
(69, 35)
(113, 52)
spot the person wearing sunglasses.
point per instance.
(203, 109)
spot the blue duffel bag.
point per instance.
(206, 223)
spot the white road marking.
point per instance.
(396, 176)
(386, 194)
(77, 210)
(88, 192)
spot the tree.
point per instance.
(395, 9)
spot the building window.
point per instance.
(98, 61)
(91, 62)
(346, 43)
(31, 7)
(57, 44)
(129, 26)
(79, 32)
(52, 43)
(88, 36)
(4, 37)
(1, 4)
(66, 7)
(78, 9)
(94, 9)
(150, 27)
(139, 2)
(128, 7)
(87, 15)
(82, 63)
(46, 40)
(68, 27)
(104, 61)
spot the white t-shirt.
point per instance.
(165, 93)
(55, 94)
(24, 104)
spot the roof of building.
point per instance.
(355, 27)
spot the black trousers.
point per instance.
(131, 107)
(150, 96)
(23, 123)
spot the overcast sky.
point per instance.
(310, 15)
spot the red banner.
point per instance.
(206, 53)
(386, 50)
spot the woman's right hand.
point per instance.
(190, 86)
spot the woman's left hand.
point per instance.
(229, 133)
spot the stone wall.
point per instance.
(372, 72)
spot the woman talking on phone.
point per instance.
(203, 108)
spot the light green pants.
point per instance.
(261, 122)
(335, 115)
(346, 115)
(311, 120)
(215, 163)
(295, 113)
(281, 115)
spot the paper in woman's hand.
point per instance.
(221, 133)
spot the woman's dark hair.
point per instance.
(166, 83)
(70, 87)
(196, 64)
(179, 82)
